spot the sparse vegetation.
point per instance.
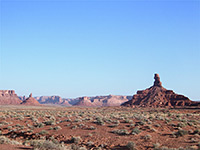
(131, 145)
(100, 128)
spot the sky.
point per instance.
(95, 47)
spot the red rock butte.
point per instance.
(157, 96)
(8, 97)
(30, 101)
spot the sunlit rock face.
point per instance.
(8, 97)
(30, 101)
(158, 96)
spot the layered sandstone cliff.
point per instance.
(8, 97)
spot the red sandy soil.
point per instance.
(160, 124)
(14, 147)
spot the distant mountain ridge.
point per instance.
(109, 100)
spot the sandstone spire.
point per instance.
(158, 96)
(30, 101)
(30, 95)
(157, 80)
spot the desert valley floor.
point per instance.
(115, 128)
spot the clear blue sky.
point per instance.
(85, 48)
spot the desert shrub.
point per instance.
(196, 131)
(99, 121)
(135, 131)
(198, 145)
(55, 128)
(181, 133)
(75, 147)
(34, 119)
(67, 120)
(91, 128)
(76, 140)
(90, 143)
(39, 125)
(131, 145)
(140, 123)
(77, 120)
(116, 122)
(121, 132)
(156, 145)
(113, 125)
(46, 145)
(181, 125)
(157, 125)
(128, 121)
(49, 122)
(9, 127)
(43, 132)
(74, 127)
(147, 137)
(5, 140)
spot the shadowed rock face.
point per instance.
(157, 96)
(30, 101)
(9, 97)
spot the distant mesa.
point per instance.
(157, 96)
(110, 100)
(84, 101)
(30, 101)
(52, 100)
(8, 97)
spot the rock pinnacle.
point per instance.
(157, 80)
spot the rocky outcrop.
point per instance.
(157, 80)
(30, 101)
(157, 96)
(8, 97)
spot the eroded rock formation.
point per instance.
(30, 101)
(8, 97)
(157, 96)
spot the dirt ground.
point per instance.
(99, 128)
